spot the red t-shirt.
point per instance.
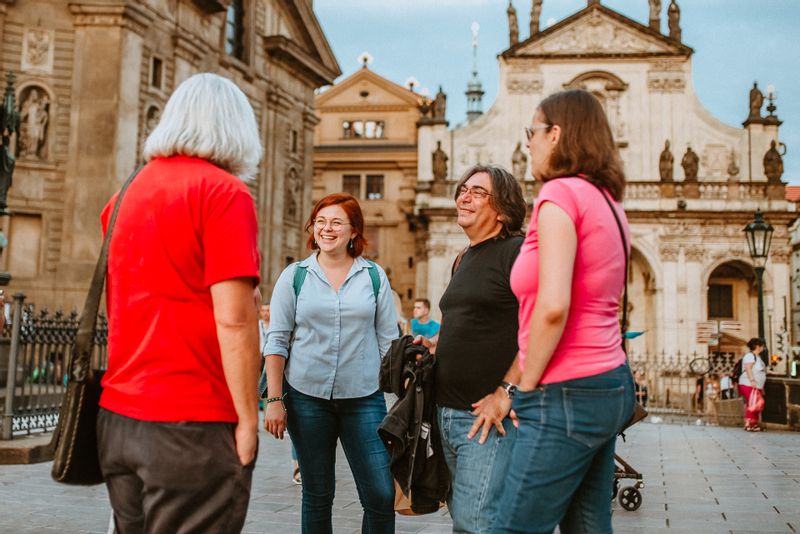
(591, 342)
(184, 225)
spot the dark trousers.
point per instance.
(315, 425)
(173, 477)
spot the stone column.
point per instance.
(668, 316)
(103, 125)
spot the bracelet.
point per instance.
(274, 399)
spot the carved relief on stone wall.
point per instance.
(598, 34)
(665, 83)
(437, 249)
(38, 50)
(34, 130)
(694, 253)
(293, 190)
(524, 86)
(669, 252)
(150, 119)
(715, 159)
(780, 255)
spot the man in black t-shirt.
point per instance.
(476, 369)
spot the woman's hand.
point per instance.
(429, 344)
(490, 411)
(275, 419)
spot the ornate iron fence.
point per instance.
(682, 384)
(34, 365)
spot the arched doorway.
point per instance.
(732, 301)
(641, 303)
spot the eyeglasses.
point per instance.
(335, 224)
(474, 191)
(529, 131)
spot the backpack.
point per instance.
(737, 370)
(301, 272)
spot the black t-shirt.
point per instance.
(478, 337)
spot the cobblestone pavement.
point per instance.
(697, 479)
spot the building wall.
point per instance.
(107, 69)
(366, 96)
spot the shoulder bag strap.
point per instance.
(624, 326)
(80, 364)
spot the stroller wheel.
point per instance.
(630, 498)
(615, 489)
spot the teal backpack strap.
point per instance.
(299, 277)
(376, 279)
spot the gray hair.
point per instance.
(208, 117)
(507, 198)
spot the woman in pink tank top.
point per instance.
(576, 391)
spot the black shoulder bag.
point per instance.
(74, 442)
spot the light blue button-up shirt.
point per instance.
(339, 338)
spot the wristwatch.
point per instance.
(509, 388)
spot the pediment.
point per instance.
(598, 31)
(379, 91)
(298, 39)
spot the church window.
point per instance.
(370, 129)
(351, 183)
(156, 72)
(374, 186)
(720, 301)
(234, 30)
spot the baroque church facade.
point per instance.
(693, 181)
(92, 77)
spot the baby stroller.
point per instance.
(630, 498)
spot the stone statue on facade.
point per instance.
(733, 169)
(674, 21)
(519, 163)
(655, 15)
(756, 101)
(536, 14)
(439, 105)
(513, 25)
(34, 117)
(439, 159)
(773, 164)
(690, 164)
(666, 163)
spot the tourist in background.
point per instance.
(753, 377)
(178, 425)
(330, 326)
(576, 391)
(422, 324)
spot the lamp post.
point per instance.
(759, 238)
(9, 125)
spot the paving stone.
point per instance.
(697, 479)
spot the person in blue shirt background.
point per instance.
(422, 324)
(329, 330)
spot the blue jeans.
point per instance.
(477, 472)
(562, 465)
(315, 424)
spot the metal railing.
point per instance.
(34, 365)
(682, 384)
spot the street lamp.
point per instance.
(759, 238)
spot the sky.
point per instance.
(735, 42)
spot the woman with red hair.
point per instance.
(332, 320)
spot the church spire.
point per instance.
(474, 90)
